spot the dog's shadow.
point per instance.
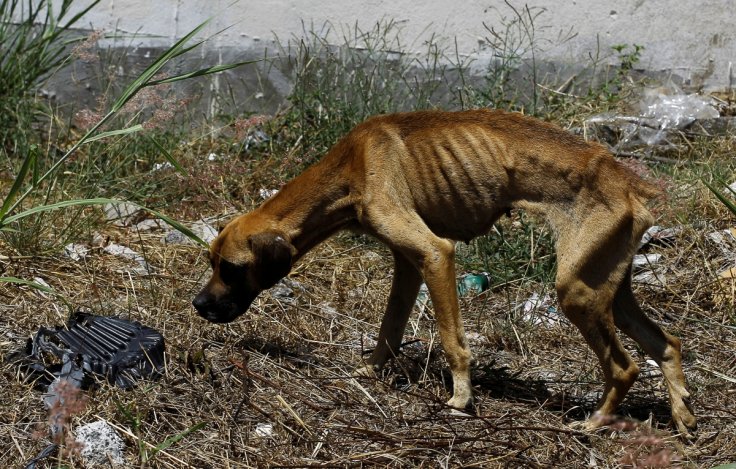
(504, 384)
(492, 380)
(499, 382)
(299, 356)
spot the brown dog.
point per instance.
(420, 181)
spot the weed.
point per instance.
(627, 58)
(643, 446)
(68, 401)
(510, 44)
(721, 195)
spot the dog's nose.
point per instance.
(201, 302)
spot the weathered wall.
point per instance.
(692, 40)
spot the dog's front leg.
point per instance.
(405, 232)
(404, 289)
(439, 274)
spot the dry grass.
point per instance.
(275, 387)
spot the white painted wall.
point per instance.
(694, 39)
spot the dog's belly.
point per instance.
(458, 186)
(460, 217)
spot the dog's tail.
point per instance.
(638, 186)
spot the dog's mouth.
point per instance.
(221, 310)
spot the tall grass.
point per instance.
(344, 75)
(38, 186)
(34, 40)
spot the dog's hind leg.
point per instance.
(590, 311)
(404, 289)
(591, 263)
(661, 346)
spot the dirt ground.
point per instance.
(275, 388)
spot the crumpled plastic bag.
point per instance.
(661, 110)
(673, 111)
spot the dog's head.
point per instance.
(243, 264)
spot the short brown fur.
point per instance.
(421, 181)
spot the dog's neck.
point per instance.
(311, 207)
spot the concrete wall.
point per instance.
(694, 41)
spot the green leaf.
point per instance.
(200, 72)
(169, 157)
(29, 283)
(100, 201)
(146, 76)
(57, 205)
(30, 161)
(112, 133)
(179, 226)
(175, 438)
(722, 197)
(733, 191)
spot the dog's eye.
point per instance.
(230, 273)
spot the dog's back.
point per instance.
(462, 170)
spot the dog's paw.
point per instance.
(460, 402)
(586, 426)
(683, 416)
(686, 423)
(597, 421)
(367, 371)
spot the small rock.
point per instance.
(372, 256)
(121, 214)
(267, 193)
(657, 279)
(263, 430)
(643, 261)
(201, 228)
(176, 237)
(164, 165)
(204, 230)
(476, 338)
(328, 309)
(732, 189)
(143, 267)
(284, 290)
(150, 225)
(725, 241)
(101, 444)
(41, 281)
(76, 252)
(660, 236)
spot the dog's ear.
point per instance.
(273, 257)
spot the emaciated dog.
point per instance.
(419, 182)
